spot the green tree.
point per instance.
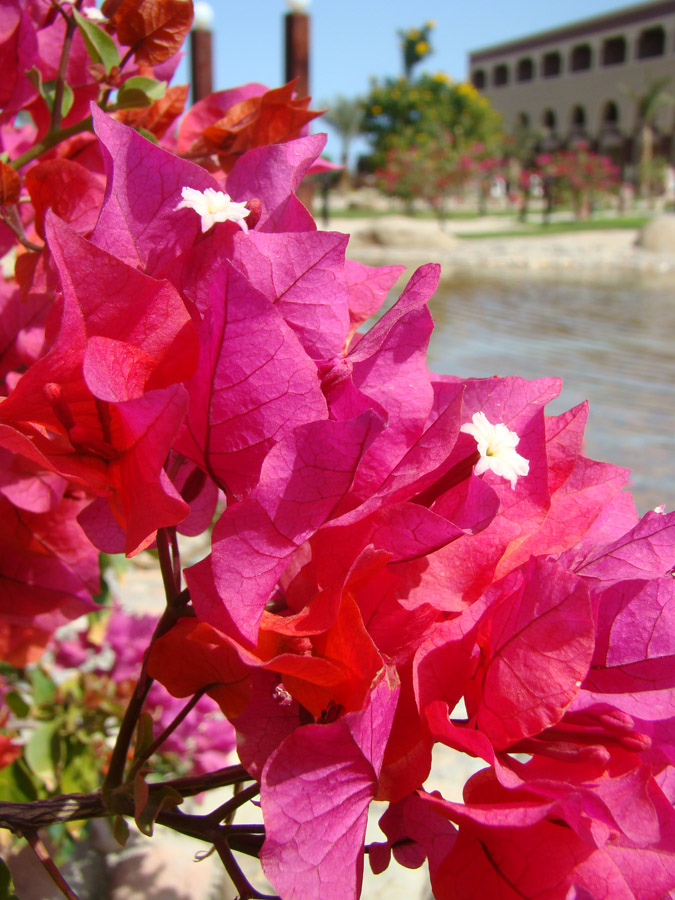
(648, 105)
(346, 117)
(403, 114)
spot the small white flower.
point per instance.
(213, 206)
(497, 448)
(94, 15)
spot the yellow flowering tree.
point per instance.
(402, 114)
(416, 45)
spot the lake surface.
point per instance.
(612, 344)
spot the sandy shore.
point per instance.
(588, 254)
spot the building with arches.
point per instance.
(578, 82)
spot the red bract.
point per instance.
(509, 845)
(48, 573)
(72, 192)
(103, 405)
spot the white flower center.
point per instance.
(497, 448)
(213, 206)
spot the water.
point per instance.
(612, 344)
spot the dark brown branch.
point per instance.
(170, 728)
(245, 891)
(21, 818)
(227, 809)
(171, 589)
(197, 784)
(170, 616)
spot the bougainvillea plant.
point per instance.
(403, 558)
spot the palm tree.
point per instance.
(346, 117)
(648, 105)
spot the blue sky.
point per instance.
(355, 40)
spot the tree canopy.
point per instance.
(400, 113)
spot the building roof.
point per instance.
(628, 15)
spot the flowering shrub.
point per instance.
(429, 173)
(436, 170)
(577, 176)
(394, 541)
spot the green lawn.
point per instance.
(538, 228)
(420, 214)
(533, 226)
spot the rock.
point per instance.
(406, 233)
(658, 235)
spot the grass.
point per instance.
(521, 229)
(527, 229)
(420, 214)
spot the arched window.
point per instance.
(652, 42)
(552, 65)
(478, 79)
(548, 120)
(614, 51)
(580, 58)
(610, 115)
(578, 118)
(522, 120)
(525, 69)
(500, 75)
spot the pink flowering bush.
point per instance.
(404, 558)
(577, 176)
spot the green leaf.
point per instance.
(139, 91)
(100, 46)
(81, 774)
(6, 884)
(47, 90)
(44, 689)
(43, 751)
(17, 704)
(143, 734)
(148, 135)
(16, 783)
(120, 831)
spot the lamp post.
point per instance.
(297, 46)
(297, 66)
(201, 51)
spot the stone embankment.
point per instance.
(459, 248)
